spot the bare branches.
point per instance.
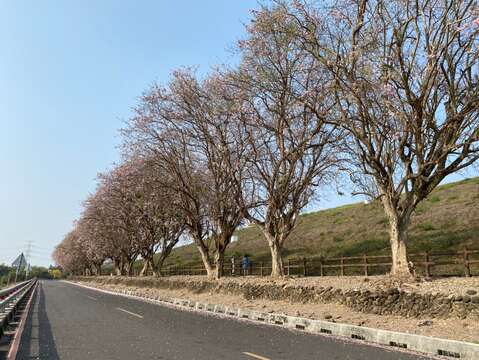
(384, 91)
(286, 115)
(406, 76)
(189, 128)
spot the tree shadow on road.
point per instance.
(37, 339)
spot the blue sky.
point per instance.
(69, 73)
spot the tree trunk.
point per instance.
(158, 268)
(219, 261)
(206, 261)
(398, 237)
(277, 269)
(129, 267)
(98, 270)
(117, 267)
(146, 267)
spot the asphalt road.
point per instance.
(70, 322)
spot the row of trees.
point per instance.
(385, 92)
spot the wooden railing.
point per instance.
(451, 263)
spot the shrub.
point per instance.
(434, 199)
(426, 226)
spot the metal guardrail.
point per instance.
(7, 291)
(10, 299)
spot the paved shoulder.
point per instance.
(70, 322)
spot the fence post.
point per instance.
(321, 267)
(426, 258)
(261, 268)
(304, 267)
(467, 268)
(288, 266)
(342, 266)
(365, 261)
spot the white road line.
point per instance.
(256, 356)
(91, 297)
(129, 312)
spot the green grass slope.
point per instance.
(447, 220)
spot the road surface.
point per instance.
(69, 322)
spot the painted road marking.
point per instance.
(256, 356)
(129, 312)
(91, 297)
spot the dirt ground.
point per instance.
(452, 285)
(455, 329)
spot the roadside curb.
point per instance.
(448, 349)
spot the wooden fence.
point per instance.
(451, 263)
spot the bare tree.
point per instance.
(285, 111)
(70, 255)
(406, 81)
(189, 127)
(121, 214)
(160, 223)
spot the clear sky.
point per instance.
(69, 73)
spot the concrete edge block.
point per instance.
(200, 306)
(278, 319)
(298, 323)
(259, 316)
(231, 311)
(219, 309)
(245, 314)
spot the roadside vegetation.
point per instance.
(7, 274)
(378, 96)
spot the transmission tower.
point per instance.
(28, 254)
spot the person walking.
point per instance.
(245, 264)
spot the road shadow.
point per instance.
(37, 339)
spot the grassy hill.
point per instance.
(447, 220)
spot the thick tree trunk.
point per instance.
(129, 267)
(277, 269)
(165, 252)
(398, 237)
(158, 268)
(206, 262)
(117, 267)
(219, 262)
(147, 264)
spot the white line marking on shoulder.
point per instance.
(129, 312)
(256, 356)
